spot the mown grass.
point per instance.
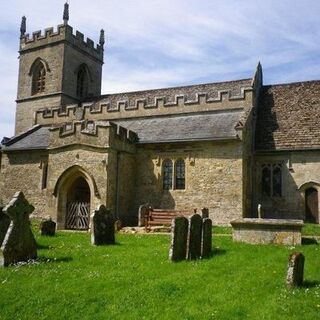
(135, 280)
(311, 229)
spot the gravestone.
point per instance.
(48, 228)
(179, 237)
(143, 210)
(204, 213)
(195, 231)
(102, 226)
(295, 269)
(4, 225)
(19, 243)
(206, 243)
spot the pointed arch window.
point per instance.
(180, 169)
(82, 82)
(39, 78)
(167, 174)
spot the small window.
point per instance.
(167, 174)
(180, 174)
(82, 83)
(271, 180)
(44, 176)
(39, 79)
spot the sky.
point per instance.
(164, 43)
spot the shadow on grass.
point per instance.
(41, 246)
(217, 252)
(310, 284)
(52, 260)
(308, 241)
(108, 244)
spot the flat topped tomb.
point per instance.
(267, 231)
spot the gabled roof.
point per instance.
(289, 117)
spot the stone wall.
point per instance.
(300, 170)
(22, 171)
(213, 178)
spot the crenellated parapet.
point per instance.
(63, 33)
(196, 98)
(101, 134)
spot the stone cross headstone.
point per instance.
(4, 225)
(143, 210)
(19, 243)
(194, 241)
(206, 243)
(102, 227)
(179, 237)
(295, 269)
(48, 228)
(204, 213)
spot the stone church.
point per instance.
(227, 146)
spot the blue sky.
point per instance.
(160, 43)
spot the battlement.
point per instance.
(91, 128)
(61, 34)
(196, 98)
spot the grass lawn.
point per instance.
(135, 280)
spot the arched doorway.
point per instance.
(312, 205)
(78, 205)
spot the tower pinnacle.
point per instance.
(102, 39)
(66, 13)
(23, 26)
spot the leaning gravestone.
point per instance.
(206, 243)
(48, 228)
(4, 225)
(19, 243)
(102, 225)
(194, 243)
(295, 269)
(179, 236)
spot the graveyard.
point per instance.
(134, 279)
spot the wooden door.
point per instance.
(312, 211)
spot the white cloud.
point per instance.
(160, 43)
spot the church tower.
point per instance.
(56, 68)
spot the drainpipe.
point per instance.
(117, 184)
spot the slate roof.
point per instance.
(35, 138)
(178, 128)
(192, 127)
(289, 117)
(234, 88)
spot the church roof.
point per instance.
(219, 125)
(35, 138)
(288, 117)
(191, 127)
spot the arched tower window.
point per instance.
(167, 174)
(82, 82)
(180, 169)
(39, 78)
